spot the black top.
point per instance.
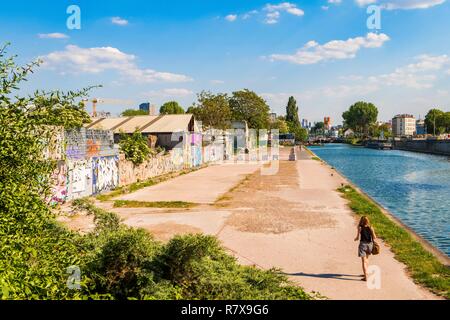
(366, 234)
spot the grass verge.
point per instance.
(422, 265)
(153, 204)
(143, 184)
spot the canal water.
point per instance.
(414, 187)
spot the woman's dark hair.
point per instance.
(364, 222)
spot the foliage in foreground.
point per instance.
(423, 266)
(123, 262)
(38, 256)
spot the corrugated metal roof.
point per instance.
(134, 123)
(170, 123)
(106, 123)
(146, 124)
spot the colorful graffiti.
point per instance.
(80, 178)
(59, 184)
(105, 173)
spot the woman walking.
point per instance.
(366, 235)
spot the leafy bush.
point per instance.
(134, 147)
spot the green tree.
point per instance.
(212, 109)
(292, 112)
(318, 126)
(379, 130)
(134, 147)
(171, 107)
(134, 112)
(247, 106)
(301, 134)
(360, 116)
(437, 122)
(280, 124)
(29, 235)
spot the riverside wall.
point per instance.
(440, 147)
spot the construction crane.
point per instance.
(94, 105)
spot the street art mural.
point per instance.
(196, 149)
(89, 162)
(59, 184)
(79, 178)
(105, 173)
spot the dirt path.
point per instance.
(294, 220)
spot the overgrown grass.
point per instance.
(422, 265)
(227, 196)
(143, 184)
(153, 204)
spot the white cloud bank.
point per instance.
(95, 60)
(270, 12)
(419, 75)
(231, 17)
(119, 21)
(169, 93)
(312, 52)
(274, 11)
(401, 4)
(55, 35)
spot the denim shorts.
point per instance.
(365, 249)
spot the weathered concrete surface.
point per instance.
(202, 186)
(294, 220)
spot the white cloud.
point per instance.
(312, 52)
(170, 92)
(325, 7)
(402, 4)
(249, 14)
(99, 59)
(55, 35)
(274, 11)
(231, 17)
(416, 75)
(335, 1)
(119, 21)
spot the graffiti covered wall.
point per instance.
(155, 166)
(89, 162)
(105, 173)
(79, 182)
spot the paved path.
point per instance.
(202, 186)
(295, 220)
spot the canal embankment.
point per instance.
(439, 147)
(425, 264)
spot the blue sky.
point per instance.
(319, 51)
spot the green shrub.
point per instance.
(134, 147)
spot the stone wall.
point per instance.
(155, 166)
(441, 147)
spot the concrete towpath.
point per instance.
(294, 220)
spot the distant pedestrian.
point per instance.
(366, 235)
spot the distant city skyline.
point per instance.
(321, 52)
